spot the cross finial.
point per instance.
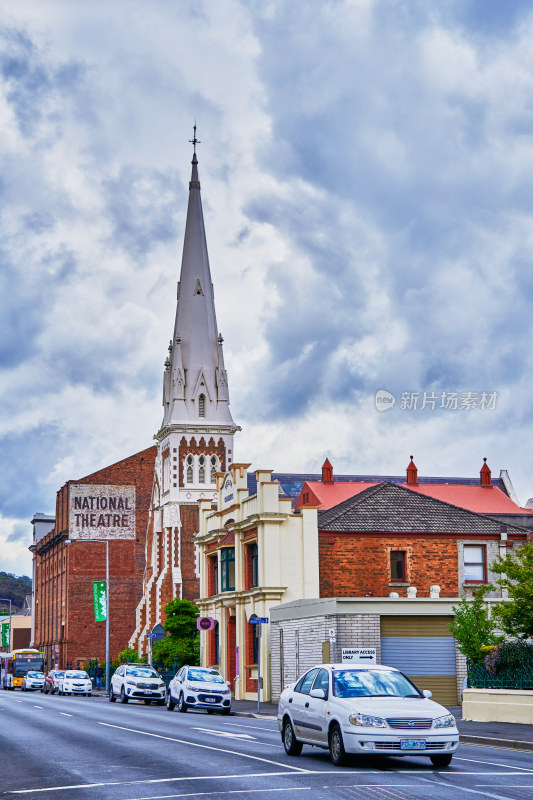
(194, 141)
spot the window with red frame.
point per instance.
(474, 563)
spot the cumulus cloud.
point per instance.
(365, 170)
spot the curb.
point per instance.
(252, 715)
(512, 744)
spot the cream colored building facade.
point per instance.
(255, 552)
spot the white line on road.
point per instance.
(64, 714)
(38, 707)
(152, 780)
(231, 791)
(227, 734)
(254, 727)
(205, 747)
(492, 764)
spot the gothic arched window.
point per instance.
(214, 469)
(189, 469)
(201, 405)
(201, 471)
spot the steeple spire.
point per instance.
(195, 387)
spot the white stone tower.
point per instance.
(195, 440)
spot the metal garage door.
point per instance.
(424, 649)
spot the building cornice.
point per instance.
(195, 429)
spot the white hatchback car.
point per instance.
(33, 680)
(75, 681)
(199, 687)
(137, 682)
(369, 711)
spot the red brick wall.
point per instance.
(65, 574)
(189, 528)
(355, 565)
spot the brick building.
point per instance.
(379, 562)
(64, 626)
(195, 440)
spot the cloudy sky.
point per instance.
(367, 176)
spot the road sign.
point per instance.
(150, 635)
(258, 620)
(332, 640)
(332, 633)
(205, 623)
(359, 655)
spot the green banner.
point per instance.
(100, 605)
(5, 634)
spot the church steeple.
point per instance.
(195, 390)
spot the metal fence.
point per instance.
(517, 678)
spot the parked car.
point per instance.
(137, 682)
(199, 687)
(75, 681)
(51, 682)
(365, 710)
(32, 681)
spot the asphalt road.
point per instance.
(74, 748)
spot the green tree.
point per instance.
(472, 627)
(128, 654)
(515, 616)
(182, 643)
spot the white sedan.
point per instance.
(75, 681)
(369, 711)
(33, 680)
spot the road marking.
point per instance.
(153, 780)
(64, 714)
(492, 764)
(231, 791)
(465, 789)
(205, 747)
(254, 727)
(38, 707)
(227, 734)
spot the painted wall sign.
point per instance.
(228, 491)
(101, 511)
(359, 655)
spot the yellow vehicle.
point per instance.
(16, 664)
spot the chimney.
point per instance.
(412, 474)
(327, 472)
(484, 474)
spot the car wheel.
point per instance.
(441, 761)
(112, 698)
(291, 744)
(169, 702)
(182, 705)
(336, 746)
(210, 710)
(147, 702)
(123, 698)
(160, 702)
(89, 694)
(226, 712)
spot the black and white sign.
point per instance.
(359, 655)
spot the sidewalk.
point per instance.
(491, 734)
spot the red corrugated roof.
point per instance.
(483, 500)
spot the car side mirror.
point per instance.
(228, 683)
(318, 693)
(427, 693)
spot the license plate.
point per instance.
(210, 699)
(412, 744)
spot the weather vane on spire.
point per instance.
(194, 141)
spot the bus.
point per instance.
(15, 665)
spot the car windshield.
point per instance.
(35, 675)
(205, 675)
(139, 672)
(73, 674)
(57, 674)
(372, 683)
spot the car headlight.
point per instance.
(444, 722)
(367, 721)
(131, 683)
(226, 691)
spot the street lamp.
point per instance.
(106, 542)
(8, 600)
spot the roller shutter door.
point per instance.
(424, 649)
